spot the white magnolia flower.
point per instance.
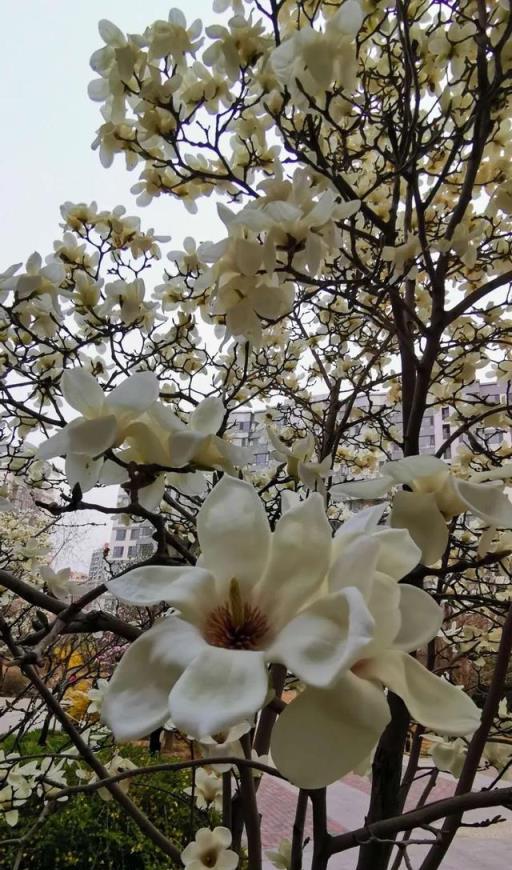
(9, 814)
(207, 790)
(162, 437)
(500, 756)
(210, 849)
(96, 696)
(5, 505)
(58, 582)
(103, 423)
(449, 755)
(437, 496)
(299, 460)
(282, 858)
(116, 765)
(325, 733)
(254, 598)
(225, 744)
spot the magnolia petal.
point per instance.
(134, 395)
(488, 502)
(208, 416)
(355, 566)
(407, 469)
(58, 444)
(233, 532)
(112, 473)
(243, 322)
(419, 514)
(421, 618)
(136, 698)
(366, 520)
(325, 639)
(398, 554)
(299, 557)
(432, 701)
(324, 734)
(183, 446)
(374, 488)
(83, 470)
(150, 496)
(83, 392)
(92, 437)
(189, 589)
(504, 472)
(383, 598)
(219, 689)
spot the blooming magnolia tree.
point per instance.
(359, 155)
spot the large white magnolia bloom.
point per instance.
(436, 497)
(254, 598)
(323, 734)
(103, 424)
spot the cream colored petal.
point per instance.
(488, 502)
(325, 639)
(432, 701)
(323, 734)
(234, 533)
(299, 557)
(218, 689)
(83, 392)
(421, 618)
(418, 513)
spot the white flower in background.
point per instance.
(210, 849)
(117, 765)
(5, 504)
(9, 813)
(449, 755)
(96, 696)
(255, 597)
(282, 859)
(499, 754)
(436, 497)
(224, 745)
(207, 790)
(323, 734)
(162, 437)
(58, 582)
(8, 281)
(103, 423)
(299, 460)
(316, 59)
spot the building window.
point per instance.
(445, 412)
(261, 458)
(446, 430)
(448, 452)
(132, 552)
(120, 534)
(134, 534)
(118, 553)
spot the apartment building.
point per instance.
(248, 428)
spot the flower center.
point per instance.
(209, 859)
(236, 625)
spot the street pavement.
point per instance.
(484, 848)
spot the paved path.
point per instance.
(347, 801)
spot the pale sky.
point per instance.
(45, 148)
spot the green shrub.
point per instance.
(87, 833)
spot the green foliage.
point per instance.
(88, 833)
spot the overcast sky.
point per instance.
(48, 126)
